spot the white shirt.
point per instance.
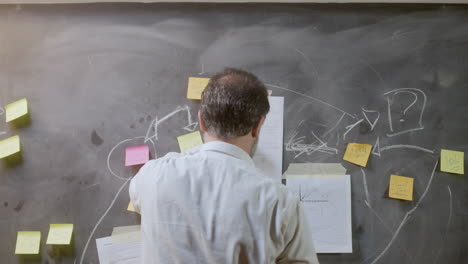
(211, 205)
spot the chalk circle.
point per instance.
(136, 141)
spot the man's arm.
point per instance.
(298, 238)
(136, 186)
(133, 192)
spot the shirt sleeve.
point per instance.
(299, 247)
(136, 185)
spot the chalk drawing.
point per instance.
(312, 98)
(382, 149)
(406, 217)
(390, 101)
(350, 127)
(376, 148)
(366, 112)
(191, 125)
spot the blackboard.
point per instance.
(100, 77)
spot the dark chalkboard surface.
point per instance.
(102, 77)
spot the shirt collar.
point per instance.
(229, 149)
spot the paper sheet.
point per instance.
(196, 86)
(358, 153)
(401, 187)
(268, 155)
(125, 229)
(60, 234)
(189, 141)
(136, 155)
(452, 161)
(327, 206)
(9, 146)
(16, 110)
(126, 237)
(118, 252)
(28, 242)
(306, 170)
(126, 233)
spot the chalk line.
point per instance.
(364, 181)
(312, 98)
(350, 127)
(120, 143)
(406, 217)
(415, 100)
(376, 147)
(156, 122)
(407, 147)
(100, 220)
(447, 226)
(372, 124)
(335, 126)
(308, 60)
(411, 91)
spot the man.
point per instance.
(210, 204)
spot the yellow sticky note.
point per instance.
(60, 234)
(131, 208)
(9, 146)
(16, 110)
(452, 161)
(28, 242)
(189, 141)
(401, 187)
(196, 86)
(358, 153)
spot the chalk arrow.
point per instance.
(191, 127)
(366, 115)
(376, 148)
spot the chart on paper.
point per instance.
(327, 206)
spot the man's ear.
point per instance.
(257, 127)
(201, 122)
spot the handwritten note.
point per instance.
(196, 86)
(189, 141)
(358, 153)
(16, 109)
(452, 161)
(28, 242)
(401, 187)
(136, 155)
(9, 146)
(60, 234)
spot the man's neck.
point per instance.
(244, 142)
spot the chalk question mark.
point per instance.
(410, 105)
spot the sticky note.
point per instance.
(9, 146)
(358, 153)
(452, 161)
(196, 86)
(16, 109)
(136, 155)
(189, 141)
(131, 208)
(401, 187)
(60, 234)
(28, 242)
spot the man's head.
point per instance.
(233, 107)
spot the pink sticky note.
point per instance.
(136, 155)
